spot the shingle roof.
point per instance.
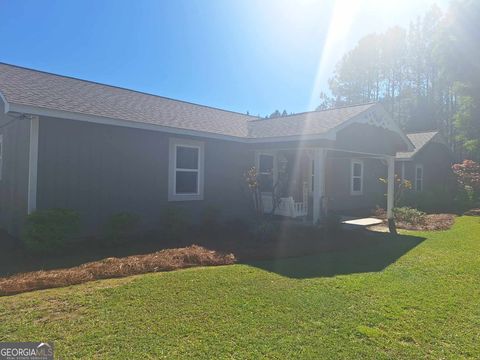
(419, 140)
(23, 86)
(308, 123)
(40, 89)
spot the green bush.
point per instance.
(237, 226)
(265, 230)
(436, 200)
(174, 223)
(409, 215)
(210, 220)
(48, 231)
(464, 200)
(121, 227)
(333, 222)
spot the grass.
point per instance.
(421, 303)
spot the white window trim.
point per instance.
(352, 164)
(172, 169)
(418, 166)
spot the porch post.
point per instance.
(319, 182)
(391, 193)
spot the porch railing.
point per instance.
(286, 207)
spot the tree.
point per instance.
(461, 63)
(277, 114)
(427, 76)
(326, 102)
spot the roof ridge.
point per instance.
(127, 89)
(315, 111)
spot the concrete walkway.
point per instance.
(362, 222)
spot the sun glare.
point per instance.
(341, 20)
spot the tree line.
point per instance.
(427, 75)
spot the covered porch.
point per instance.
(309, 182)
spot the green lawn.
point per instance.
(417, 296)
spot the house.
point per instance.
(429, 165)
(100, 149)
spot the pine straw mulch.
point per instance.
(164, 260)
(473, 212)
(433, 222)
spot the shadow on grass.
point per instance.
(299, 251)
(374, 252)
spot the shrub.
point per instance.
(210, 221)
(464, 200)
(468, 174)
(237, 226)
(379, 212)
(333, 222)
(409, 215)
(468, 177)
(121, 227)
(436, 200)
(48, 231)
(265, 230)
(174, 223)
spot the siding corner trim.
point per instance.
(33, 164)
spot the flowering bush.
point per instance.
(468, 174)
(252, 179)
(400, 187)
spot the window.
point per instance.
(186, 170)
(419, 177)
(1, 157)
(356, 185)
(265, 172)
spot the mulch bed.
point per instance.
(165, 260)
(222, 248)
(433, 222)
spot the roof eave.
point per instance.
(62, 114)
(406, 140)
(395, 127)
(40, 111)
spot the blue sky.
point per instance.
(241, 55)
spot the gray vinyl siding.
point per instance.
(338, 186)
(100, 170)
(437, 161)
(14, 182)
(367, 139)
